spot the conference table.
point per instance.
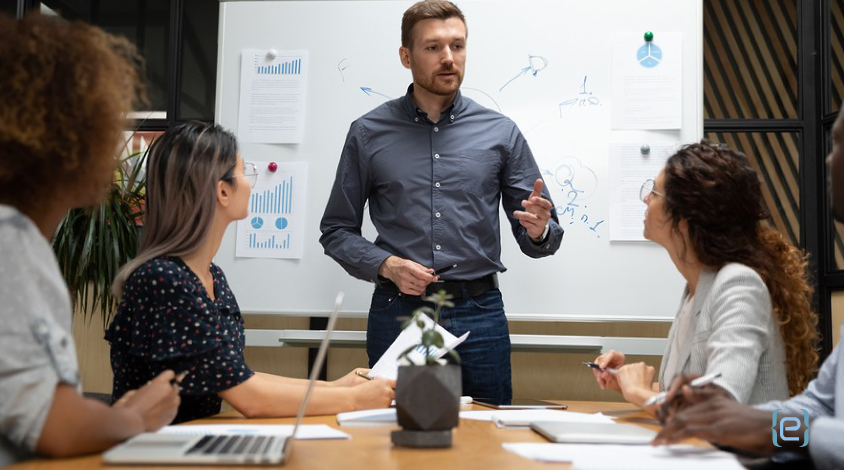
(477, 444)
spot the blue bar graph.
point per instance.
(292, 67)
(271, 221)
(271, 242)
(276, 200)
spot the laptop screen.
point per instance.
(320, 359)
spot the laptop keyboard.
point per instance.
(233, 445)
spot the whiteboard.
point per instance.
(354, 44)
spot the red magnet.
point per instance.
(273, 166)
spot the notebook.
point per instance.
(221, 449)
(593, 433)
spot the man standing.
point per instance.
(712, 414)
(433, 166)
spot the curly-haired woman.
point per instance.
(64, 90)
(746, 311)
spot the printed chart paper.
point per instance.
(275, 226)
(272, 96)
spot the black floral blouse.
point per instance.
(166, 320)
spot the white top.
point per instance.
(36, 346)
(683, 321)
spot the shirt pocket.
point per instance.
(479, 172)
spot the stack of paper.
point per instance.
(378, 416)
(523, 418)
(305, 431)
(605, 456)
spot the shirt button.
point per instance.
(436, 129)
(437, 184)
(451, 117)
(416, 119)
(436, 155)
(439, 247)
(437, 214)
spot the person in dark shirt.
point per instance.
(176, 309)
(433, 167)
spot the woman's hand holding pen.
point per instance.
(610, 360)
(355, 377)
(377, 393)
(157, 402)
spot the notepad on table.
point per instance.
(523, 418)
(378, 416)
(610, 456)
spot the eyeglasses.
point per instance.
(647, 189)
(250, 171)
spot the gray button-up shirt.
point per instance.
(433, 190)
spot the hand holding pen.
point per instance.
(607, 379)
(681, 395)
(444, 270)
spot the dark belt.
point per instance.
(471, 288)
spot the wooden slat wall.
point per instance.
(836, 42)
(750, 59)
(775, 156)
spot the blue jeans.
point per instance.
(485, 354)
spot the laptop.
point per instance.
(593, 433)
(221, 449)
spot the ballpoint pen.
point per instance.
(698, 382)
(361, 374)
(611, 370)
(445, 269)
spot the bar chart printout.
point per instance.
(272, 96)
(274, 227)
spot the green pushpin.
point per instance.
(649, 36)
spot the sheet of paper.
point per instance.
(306, 431)
(523, 418)
(628, 169)
(611, 456)
(275, 226)
(378, 416)
(272, 96)
(647, 81)
(387, 367)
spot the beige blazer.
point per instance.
(733, 332)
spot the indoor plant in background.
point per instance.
(92, 243)
(428, 388)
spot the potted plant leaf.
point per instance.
(428, 388)
(92, 243)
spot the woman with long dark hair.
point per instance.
(746, 310)
(176, 309)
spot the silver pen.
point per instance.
(698, 382)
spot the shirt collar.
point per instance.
(451, 113)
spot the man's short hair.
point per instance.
(427, 10)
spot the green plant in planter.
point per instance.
(92, 243)
(427, 389)
(432, 341)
